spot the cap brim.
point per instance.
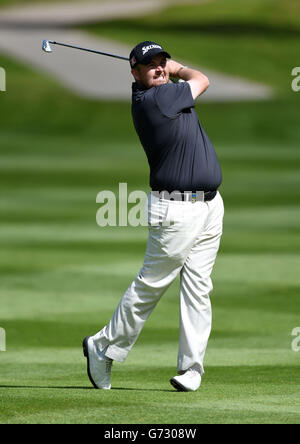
(153, 53)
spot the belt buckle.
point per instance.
(194, 197)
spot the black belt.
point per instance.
(187, 196)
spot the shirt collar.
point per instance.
(138, 87)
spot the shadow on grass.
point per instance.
(82, 388)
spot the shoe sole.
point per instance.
(179, 387)
(86, 354)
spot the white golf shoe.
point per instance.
(98, 365)
(188, 382)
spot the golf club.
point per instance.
(47, 48)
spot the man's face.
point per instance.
(154, 74)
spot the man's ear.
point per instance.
(135, 74)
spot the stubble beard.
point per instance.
(161, 80)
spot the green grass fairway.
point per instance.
(62, 275)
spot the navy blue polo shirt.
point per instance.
(180, 155)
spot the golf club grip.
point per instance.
(91, 50)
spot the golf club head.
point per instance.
(46, 46)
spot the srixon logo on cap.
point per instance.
(145, 49)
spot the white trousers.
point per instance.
(184, 238)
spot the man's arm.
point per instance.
(198, 81)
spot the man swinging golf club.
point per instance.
(184, 178)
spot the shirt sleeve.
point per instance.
(173, 98)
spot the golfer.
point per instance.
(185, 217)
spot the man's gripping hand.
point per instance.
(174, 68)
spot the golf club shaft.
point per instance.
(89, 50)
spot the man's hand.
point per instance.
(173, 67)
(197, 81)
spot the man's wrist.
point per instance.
(180, 69)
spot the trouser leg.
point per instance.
(131, 314)
(195, 289)
(163, 261)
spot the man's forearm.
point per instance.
(186, 73)
(197, 80)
